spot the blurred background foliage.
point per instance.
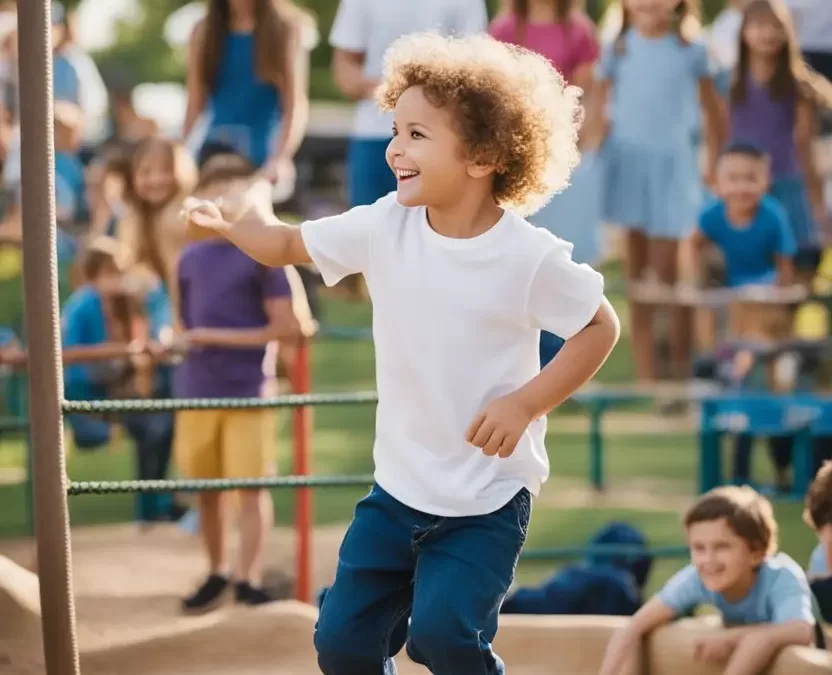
(141, 53)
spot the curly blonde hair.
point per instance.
(512, 108)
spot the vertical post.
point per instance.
(42, 329)
(596, 444)
(301, 430)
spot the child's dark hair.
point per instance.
(792, 77)
(748, 514)
(686, 15)
(744, 149)
(99, 255)
(224, 167)
(818, 511)
(512, 110)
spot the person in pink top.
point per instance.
(562, 32)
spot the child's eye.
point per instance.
(416, 134)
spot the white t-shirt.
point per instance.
(813, 24)
(456, 324)
(370, 26)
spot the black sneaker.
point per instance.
(247, 594)
(208, 596)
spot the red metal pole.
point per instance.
(301, 431)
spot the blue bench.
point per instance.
(803, 416)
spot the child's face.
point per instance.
(722, 558)
(425, 153)
(764, 34)
(742, 180)
(153, 178)
(649, 14)
(109, 281)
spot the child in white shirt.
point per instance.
(482, 134)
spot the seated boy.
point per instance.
(229, 309)
(101, 325)
(818, 515)
(750, 229)
(763, 596)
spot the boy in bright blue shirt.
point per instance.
(763, 596)
(750, 228)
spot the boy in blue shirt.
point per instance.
(763, 596)
(750, 229)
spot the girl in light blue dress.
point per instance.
(652, 79)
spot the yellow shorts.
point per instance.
(226, 443)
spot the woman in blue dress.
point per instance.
(247, 83)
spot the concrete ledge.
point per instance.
(670, 652)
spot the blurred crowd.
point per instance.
(695, 140)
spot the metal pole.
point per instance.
(301, 436)
(40, 282)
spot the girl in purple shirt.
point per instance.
(773, 100)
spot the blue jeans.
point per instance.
(447, 576)
(550, 345)
(153, 437)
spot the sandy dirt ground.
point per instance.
(128, 585)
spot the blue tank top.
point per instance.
(244, 111)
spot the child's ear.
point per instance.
(758, 555)
(480, 169)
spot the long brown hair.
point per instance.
(792, 78)
(520, 8)
(274, 23)
(146, 242)
(686, 21)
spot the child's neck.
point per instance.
(542, 12)
(761, 68)
(739, 218)
(742, 588)
(465, 219)
(657, 31)
(241, 19)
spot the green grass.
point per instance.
(662, 465)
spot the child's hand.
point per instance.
(715, 648)
(499, 426)
(205, 213)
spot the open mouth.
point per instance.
(404, 175)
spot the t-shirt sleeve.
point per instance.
(350, 28)
(73, 323)
(66, 83)
(276, 283)
(699, 61)
(585, 46)
(340, 245)
(790, 597)
(785, 242)
(563, 295)
(684, 592)
(709, 224)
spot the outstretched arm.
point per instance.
(245, 219)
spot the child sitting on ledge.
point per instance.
(763, 596)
